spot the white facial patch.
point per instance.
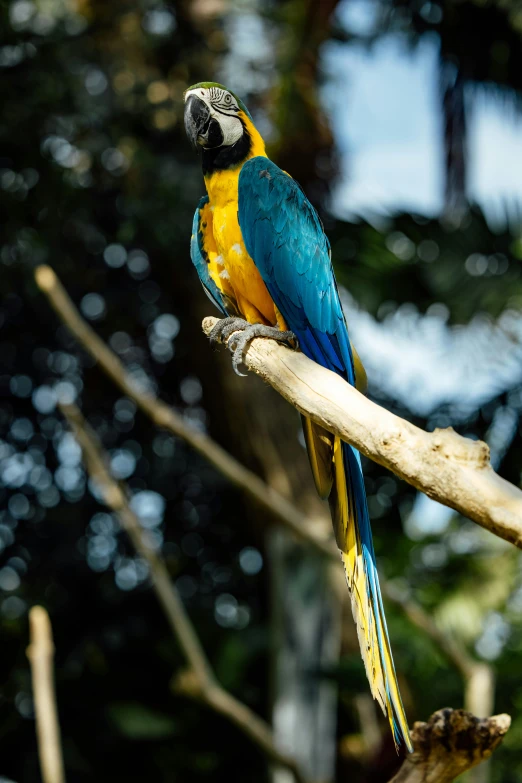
(223, 107)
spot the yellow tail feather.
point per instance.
(348, 508)
(366, 605)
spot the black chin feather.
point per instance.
(227, 157)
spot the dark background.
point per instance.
(97, 179)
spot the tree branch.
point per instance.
(451, 742)
(282, 510)
(164, 417)
(198, 681)
(445, 466)
(40, 654)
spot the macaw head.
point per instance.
(214, 116)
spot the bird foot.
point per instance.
(224, 328)
(240, 341)
(243, 333)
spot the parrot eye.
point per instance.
(228, 99)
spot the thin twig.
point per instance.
(41, 653)
(418, 616)
(198, 681)
(163, 416)
(478, 677)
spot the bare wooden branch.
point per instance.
(453, 470)
(251, 485)
(198, 681)
(451, 742)
(40, 654)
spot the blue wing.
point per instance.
(283, 234)
(284, 237)
(200, 260)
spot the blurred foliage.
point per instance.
(97, 179)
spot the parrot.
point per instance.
(264, 261)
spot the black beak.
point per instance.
(201, 129)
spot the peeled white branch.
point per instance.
(453, 470)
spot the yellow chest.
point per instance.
(229, 242)
(239, 271)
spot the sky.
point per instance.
(386, 126)
(383, 104)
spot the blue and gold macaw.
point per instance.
(264, 260)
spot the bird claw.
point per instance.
(224, 328)
(238, 334)
(240, 341)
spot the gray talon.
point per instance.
(238, 333)
(224, 328)
(239, 342)
(237, 325)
